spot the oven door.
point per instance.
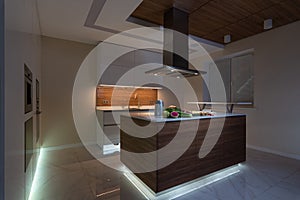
(27, 89)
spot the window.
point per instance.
(237, 75)
(242, 78)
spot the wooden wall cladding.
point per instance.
(123, 96)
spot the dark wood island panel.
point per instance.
(230, 149)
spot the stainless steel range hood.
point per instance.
(173, 72)
(176, 42)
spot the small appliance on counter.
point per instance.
(159, 108)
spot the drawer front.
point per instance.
(110, 118)
(113, 133)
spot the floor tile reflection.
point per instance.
(74, 174)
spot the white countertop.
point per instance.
(125, 108)
(150, 117)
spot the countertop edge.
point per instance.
(162, 120)
(118, 108)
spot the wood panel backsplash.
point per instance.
(123, 96)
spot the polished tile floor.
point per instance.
(74, 174)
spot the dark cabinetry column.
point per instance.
(2, 112)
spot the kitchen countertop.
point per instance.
(150, 117)
(124, 108)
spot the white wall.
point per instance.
(61, 60)
(22, 45)
(273, 123)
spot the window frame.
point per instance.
(230, 57)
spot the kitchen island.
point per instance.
(167, 152)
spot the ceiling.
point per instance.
(91, 21)
(212, 19)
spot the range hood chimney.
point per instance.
(176, 46)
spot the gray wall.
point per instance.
(22, 45)
(273, 123)
(61, 60)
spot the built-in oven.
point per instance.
(38, 109)
(28, 89)
(28, 142)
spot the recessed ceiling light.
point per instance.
(268, 24)
(227, 38)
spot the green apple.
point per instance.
(166, 114)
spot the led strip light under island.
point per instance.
(184, 188)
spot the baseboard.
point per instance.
(288, 155)
(66, 146)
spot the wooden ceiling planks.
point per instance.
(190, 6)
(212, 19)
(153, 11)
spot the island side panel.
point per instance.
(182, 169)
(234, 141)
(213, 160)
(229, 149)
(138, 145)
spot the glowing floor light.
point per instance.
(182, 189)
(37, 174)
(136, 185)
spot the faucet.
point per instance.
(137, 96)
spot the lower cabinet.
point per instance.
(112, 133)
(110, 124)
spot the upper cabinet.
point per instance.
(130, 69)
(117, 70)
(126, 60)
(144, 61)
(117, 75)
(146, 56)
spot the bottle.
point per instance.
(159, 108)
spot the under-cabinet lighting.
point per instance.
(128, 86)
